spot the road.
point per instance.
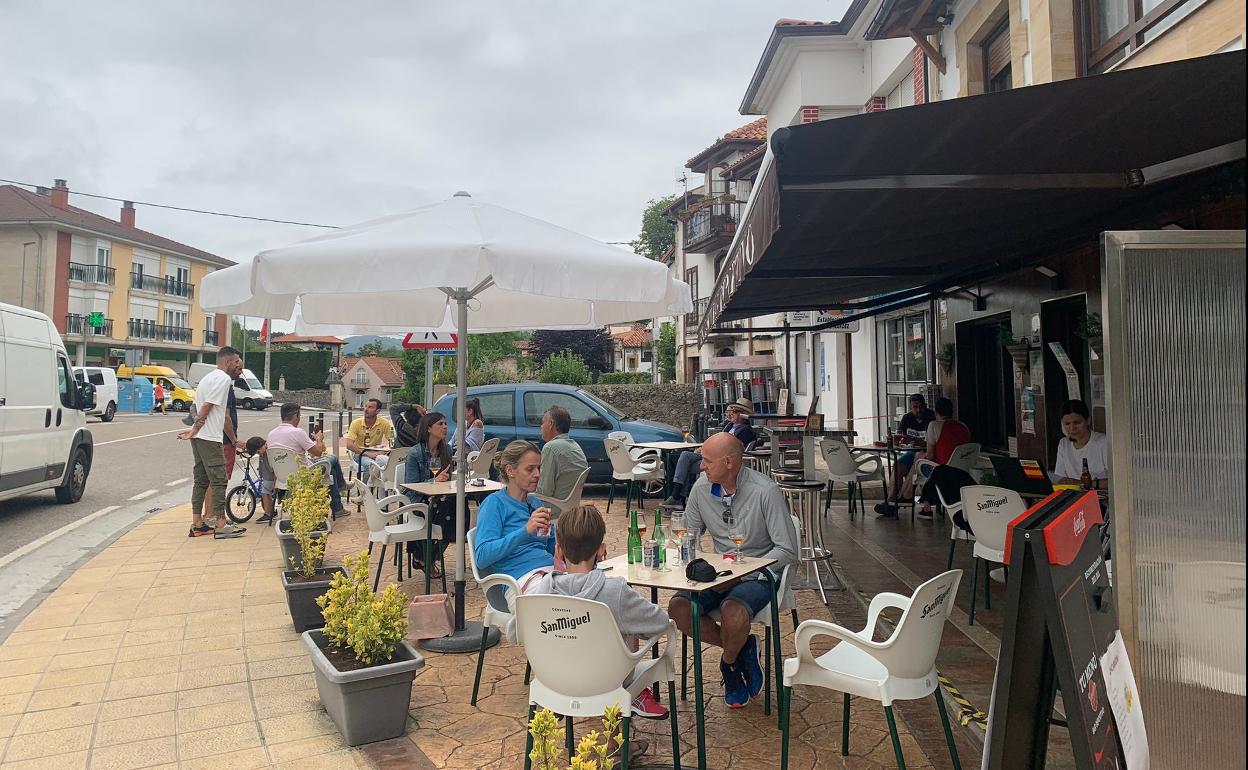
(139, 466)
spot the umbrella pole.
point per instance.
(467, 637)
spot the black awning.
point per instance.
(898, 205)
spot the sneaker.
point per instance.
(202, 531)
(886, 510)
(736, 691)
(924, 513)
(341, 513)
(228, 532)
(646, 707)
(747, 661)
(673, 502)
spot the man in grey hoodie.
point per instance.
(579, 543)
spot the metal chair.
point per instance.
(845, 467)
(803, 500)
(560, 505)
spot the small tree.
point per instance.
(666, 351)
(307, 500)
(658, 232)
(370, 625)
(565, 368)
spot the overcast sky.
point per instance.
(575, 112)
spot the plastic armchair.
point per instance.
(397, 467)
(966, 457)
(639, 454)
(484, 459)
(634, 473)
(586, 668)
(560, 505)
(902, 667)
(284, 463)
(988, 511)
(384, 528)
(845, 467)
(496, 613)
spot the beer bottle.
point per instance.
(659, 536)
(634, 541)
(1085, 478)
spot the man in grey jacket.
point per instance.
(731, 491)
(562, 458)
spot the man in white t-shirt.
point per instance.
(1081, 443)
(206, 435)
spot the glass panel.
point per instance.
(896, 351)
(537, 402)
(1170, 19)
(916, 349)
(65, 383)
(1109, 18)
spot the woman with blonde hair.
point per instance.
(514, 535)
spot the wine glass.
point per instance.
(678, 529)
(435, 465)
(736, 533)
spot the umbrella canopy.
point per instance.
(428, 268)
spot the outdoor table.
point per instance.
(668, 450)
(675, 580)
(434, 489)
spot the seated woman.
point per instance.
(475, 435)
(429, 453)
(1081, 443)
(513, 536)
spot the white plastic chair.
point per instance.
(902, 667)
(284, 463)
(484, 459)
(966, 457)
(989, 511)
(580, 670)
(844, 467)
(639, 454)
(784, 589)
(496, 613)
(416, 529)
(398, 470)
(561, 505)
(632, 472)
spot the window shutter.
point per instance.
(997, 50)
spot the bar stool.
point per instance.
(758, 462)
(803, 498)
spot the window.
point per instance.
(103, 255)
(96, 378)
(537, 402)
(1115, 28)
(361, 376)
(996, 48)
(496, 408)
(65, 384)
(210, 322)
(175, 318)
(359, 399)
(903, 356)
(800, 384)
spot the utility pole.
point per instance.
(429, 378)
(267, 336)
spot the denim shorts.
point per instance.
(906, 458)
(754, 594)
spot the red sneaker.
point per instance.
(646, 707)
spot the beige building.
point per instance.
(116, 293)
(370, 377)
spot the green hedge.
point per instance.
(303, 369)
(625, 378)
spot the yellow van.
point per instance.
(179, 391)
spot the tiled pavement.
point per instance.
(163, 651)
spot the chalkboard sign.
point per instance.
(1060, 622)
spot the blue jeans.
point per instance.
(336, 480)
(688, 468)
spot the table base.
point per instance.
(467, 640)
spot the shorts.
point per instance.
(230, 451)
(754, 594)
(907, 458)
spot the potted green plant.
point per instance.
(308, 504)
(286, 540)
(946, 357)
(595, 750)
(1019, 351)
(1088, 326)
(364, 668)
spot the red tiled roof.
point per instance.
(636, 337)
(388, 369)
(753, 130)
(21, 205)
(295, 338)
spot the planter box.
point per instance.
(301, 597)
(369, 704)
(290, 548)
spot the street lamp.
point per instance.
(22, 301)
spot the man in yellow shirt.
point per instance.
(368, 434)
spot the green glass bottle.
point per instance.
(634, 540)
(659, 536)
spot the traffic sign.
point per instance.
(430, 341)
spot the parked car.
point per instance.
(105, 382)
(44, 441)
(180, 392)
(515, 411)
(249, 392)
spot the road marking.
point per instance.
(163, 432)
(142, 495)
(48, 538)
(177, 482)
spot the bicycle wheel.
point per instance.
(240, 504)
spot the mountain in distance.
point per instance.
(355, 343)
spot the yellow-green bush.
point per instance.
(369, 624)
(307, 501)
(593, 751)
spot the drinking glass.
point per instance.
(736, 533)
(678, 529)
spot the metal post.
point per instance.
(429, 379)
(268, 335)
(461, 500)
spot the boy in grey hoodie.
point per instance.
(579, 543)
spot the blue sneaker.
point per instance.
(747, 663)
(736, 692)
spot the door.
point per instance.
(985, 382)
(65, 418)
(587, 425)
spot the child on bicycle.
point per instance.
(256, 445)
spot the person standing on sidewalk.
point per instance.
(158, 396)
(206, 434)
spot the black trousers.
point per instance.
(949, 481)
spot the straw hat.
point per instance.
(743, 405)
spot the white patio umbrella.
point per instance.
(423, 268)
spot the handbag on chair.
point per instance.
(430, 617)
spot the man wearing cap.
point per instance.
(911, 435)
(688, 464)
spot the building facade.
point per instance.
(117, 294)
(371, 377)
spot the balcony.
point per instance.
(711, 225)
(692, 319)
(97, 274)
(168, 285)
(78, 325)
(139, 329)
(211, 337)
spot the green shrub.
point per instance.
(625, 378)
(565, 368)
(369, 624)
(303, 369)
(307, 501)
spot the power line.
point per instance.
(182, 208)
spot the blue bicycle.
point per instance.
(240, 501)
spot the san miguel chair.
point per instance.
(581, 665)
(381, 529)
(559, 505)
(989, 511)
(496, 613)
(902, 667)
(851, 471)
(284, 464)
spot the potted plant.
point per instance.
(1019, 351)
(364, 668)
(286, 540)
(308, 503)
(595, 750)
(1088, 327)
(946, 357)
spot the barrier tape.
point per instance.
(966, 712)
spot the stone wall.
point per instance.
(308, 399)
(667, 402)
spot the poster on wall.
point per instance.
(1037, 370)
(782, 403)
(1072, 377)
(1029, 411)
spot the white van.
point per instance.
(249, 392)
(105, 382)
(44, 441)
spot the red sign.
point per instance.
(430, 341)
(1064, 536)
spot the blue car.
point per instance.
(515, 411)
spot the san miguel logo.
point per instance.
(564, 624)
(936, 603)
(985, 505)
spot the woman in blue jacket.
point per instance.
(514, 536)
